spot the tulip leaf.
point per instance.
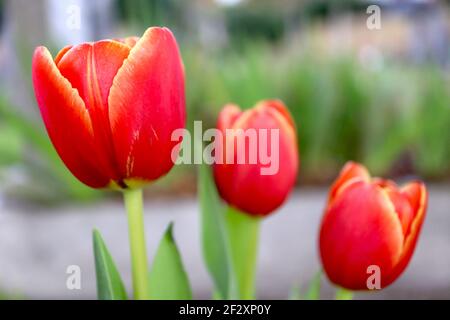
(109, 283)
(243, 237)
(313, 292)
(295, 293)
(168, 279)
(343, 294)
(216, 252)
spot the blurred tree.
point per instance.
(2, 4)
(331, 8)
(144, 13)
(246, 23)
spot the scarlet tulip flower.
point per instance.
(243, 185)
(111, 106)
(370, 222)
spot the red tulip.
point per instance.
(370, 222)
(245, 185)
(110, 107)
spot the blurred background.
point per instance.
(380, 96)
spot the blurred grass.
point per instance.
(395, 119)
(29, 166)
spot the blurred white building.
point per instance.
(75, 21)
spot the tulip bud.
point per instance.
(258, 157)
(111, 106)
(370, 228)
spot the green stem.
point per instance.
(134, 206)
(343, 294)
(243, 235)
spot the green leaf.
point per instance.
(213, 234)
(343, 294)
(109, 283)
(168, 279)
(314, 288)
(295, 293)
(243, 236)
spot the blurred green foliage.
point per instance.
(28, 162)
(260, 23)
(395, 119)
(138, 14)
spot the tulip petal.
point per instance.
(243, 184)
(130, 41)
(280, 107)
(279, 111)
(402, 208)
(91, 68)
(223, 172)
(62, 53)
(417, 195)
(229, 114)
(66, 119)
(351, 172)
(360, 229)
(146, 104)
